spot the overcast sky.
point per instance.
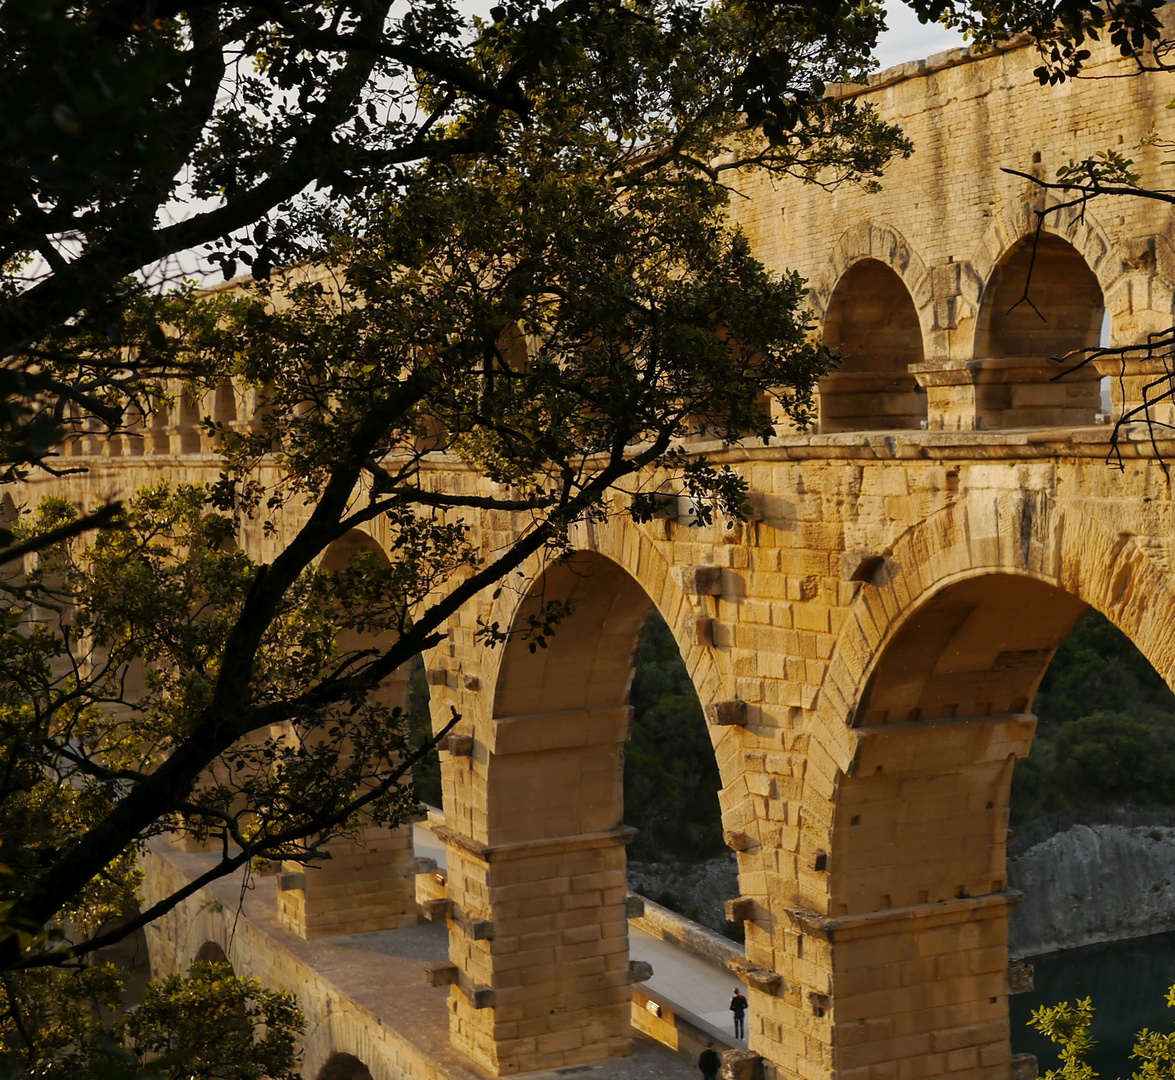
(907, 39)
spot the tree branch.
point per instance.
(99, 519)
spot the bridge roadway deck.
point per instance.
(382, 974)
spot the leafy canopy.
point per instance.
(1068, 1027)
(492, 249)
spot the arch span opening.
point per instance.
(1093, 816)
(923, 816)
(917, 873)
(344, 1067)
(1040, 302)
(211, 953)
(977, 648)
(367, 883)
(542, 796)
(671, 782)
(872, 320)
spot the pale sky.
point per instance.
(907, 39)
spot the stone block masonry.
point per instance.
(867, 646)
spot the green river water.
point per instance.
(1128, 982)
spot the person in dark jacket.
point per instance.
(738, 1006)
(709, 1062)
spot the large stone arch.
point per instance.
(341, 1066)
(368, 881)
(1137, 297)
(463, 672)
(1017, 529)
(872, 319)
(133, 957)
(1135, 278)
(647, 560)
(1016, 219)
(534, 812)
(215, 946)
(924, 709)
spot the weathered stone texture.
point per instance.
(867, 645)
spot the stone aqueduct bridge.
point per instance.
(867, 648)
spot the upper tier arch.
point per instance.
(871, 319)
(883, 242)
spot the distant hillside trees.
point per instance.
(1106, 731)
(671, 779)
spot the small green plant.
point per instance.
(1068, 1027)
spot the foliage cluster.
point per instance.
(1068, 1027)
(1106, 733)
(208, 1024)
(671, 779)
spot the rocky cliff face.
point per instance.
(1093, 883)
(1082, 885)
(698, 891)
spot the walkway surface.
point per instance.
(688, 982)
(383, 973)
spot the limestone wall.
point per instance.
(920, 284)
(866, 647)
(946, 215)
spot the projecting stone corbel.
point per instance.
(702, 580)
(758, 978)
(741, 1065)
(475, 929)
(639, 971)
(437, 910)
(482, 997)
(459, 745)
(766, 982)
(736, 841)
(702, 631)
(441, 677)
(740, 909)
(1021, 978)
(440, 974)
(727, 713)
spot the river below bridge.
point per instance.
(1128, 981)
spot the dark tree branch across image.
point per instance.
(493, 247)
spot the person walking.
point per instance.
(709, 1062)
(738, 1006)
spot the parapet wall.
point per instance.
(932, 265)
